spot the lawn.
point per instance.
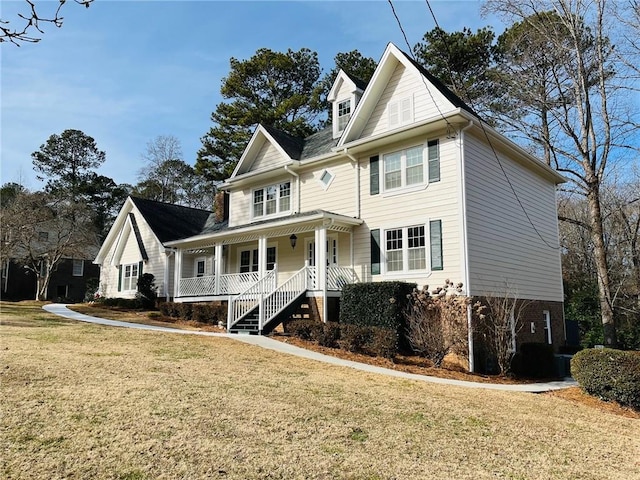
(85, 401)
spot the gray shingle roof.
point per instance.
(172, 222)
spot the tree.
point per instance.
(572, 115)
(33, 19)
(67, 161)
(272, 88)
(354, 64)
(103, 198)
(41, 231)
(463, 62)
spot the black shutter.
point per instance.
(139, 273)
(119, 278)
(375, 252)
(374, 176)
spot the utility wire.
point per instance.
(481, 122)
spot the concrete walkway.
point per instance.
(266, 342)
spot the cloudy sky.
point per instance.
(125, 72)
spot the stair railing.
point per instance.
(279, 299)
(242, 304)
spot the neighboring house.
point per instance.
(406, 184)
(136, 242)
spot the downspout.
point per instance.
(356, 165)
(465, 250)
(288, 170)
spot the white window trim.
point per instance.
(337, 131)
(547, 325)
(426, 181)
(405, 272)
(332, 176)
(278, 213)
(73, 268)
(124, 277)
(251, 249)
(195, 266)
(330, 238)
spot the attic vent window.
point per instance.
(401, 112)
(344, 113)
(326, 177)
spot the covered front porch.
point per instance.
(245, 263)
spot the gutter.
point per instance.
(288, 170)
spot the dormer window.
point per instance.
(272, 200)
(344, 113)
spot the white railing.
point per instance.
(197, 286)
(224, 284)
(312, 278)
(282, 296)
(242, 304)
(338, 277)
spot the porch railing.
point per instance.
(242, 304)
(338, 277)
(216, 284)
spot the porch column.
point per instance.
(177, 274)
(262, 256)
(217, 268)
(321, 266)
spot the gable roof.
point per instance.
(169, 221)
(290, 144)
(361, 84)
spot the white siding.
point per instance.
(267, 156)
(503, 246)
(239, 206)
(340, 197)
(428, 102)
(439, 201)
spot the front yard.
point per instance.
(85, 401)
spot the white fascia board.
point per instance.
(341, 78)
(251, 176)
(114, 231)
(252, 146)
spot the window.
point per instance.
(130, 276)
(200, 267)
(400, 112)
(344, 113)
(78, 268)
(272, 200)
(403, 168)
(249, 260)
(547, 326)
(332, 252)
(405, 248)
(325, 179)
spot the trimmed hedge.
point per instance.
(211, 313)
(354, 338)
(609, 374)
(534, 360)
(377, 304)
(125, 303)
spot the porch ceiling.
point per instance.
(277, 227)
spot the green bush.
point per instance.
(124, 303)
(302, 328)
(377, 304)
(382, 342)
(184, 310)
(353, 338)
(147, 291)
(609, 374)
(329, 335)
(534, 360)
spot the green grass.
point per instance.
(86, 401)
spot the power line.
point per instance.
(466, 94)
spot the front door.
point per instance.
(332, 252)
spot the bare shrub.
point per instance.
(437, 321)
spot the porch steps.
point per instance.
(297, 309)
(248, 325)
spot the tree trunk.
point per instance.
(602, 270)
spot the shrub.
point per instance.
(609, 374)
(147, 291)
(124, 303)
(302, 328)
(534, 360)
(329, 335)
(377, 304)
(437, 321)
(353, 337)
(209, 313)
(91, 289)
(382, 342)
(166, 308)
(184, 310)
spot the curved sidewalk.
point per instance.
(266, 342)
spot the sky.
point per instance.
(125, 72)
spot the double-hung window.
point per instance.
(130, 277)
(407, 168)
(249, 260)
(78, 268)
(344, 112)
(405, 249)
(404, 168)
(272, 200)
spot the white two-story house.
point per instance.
(406, 184)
